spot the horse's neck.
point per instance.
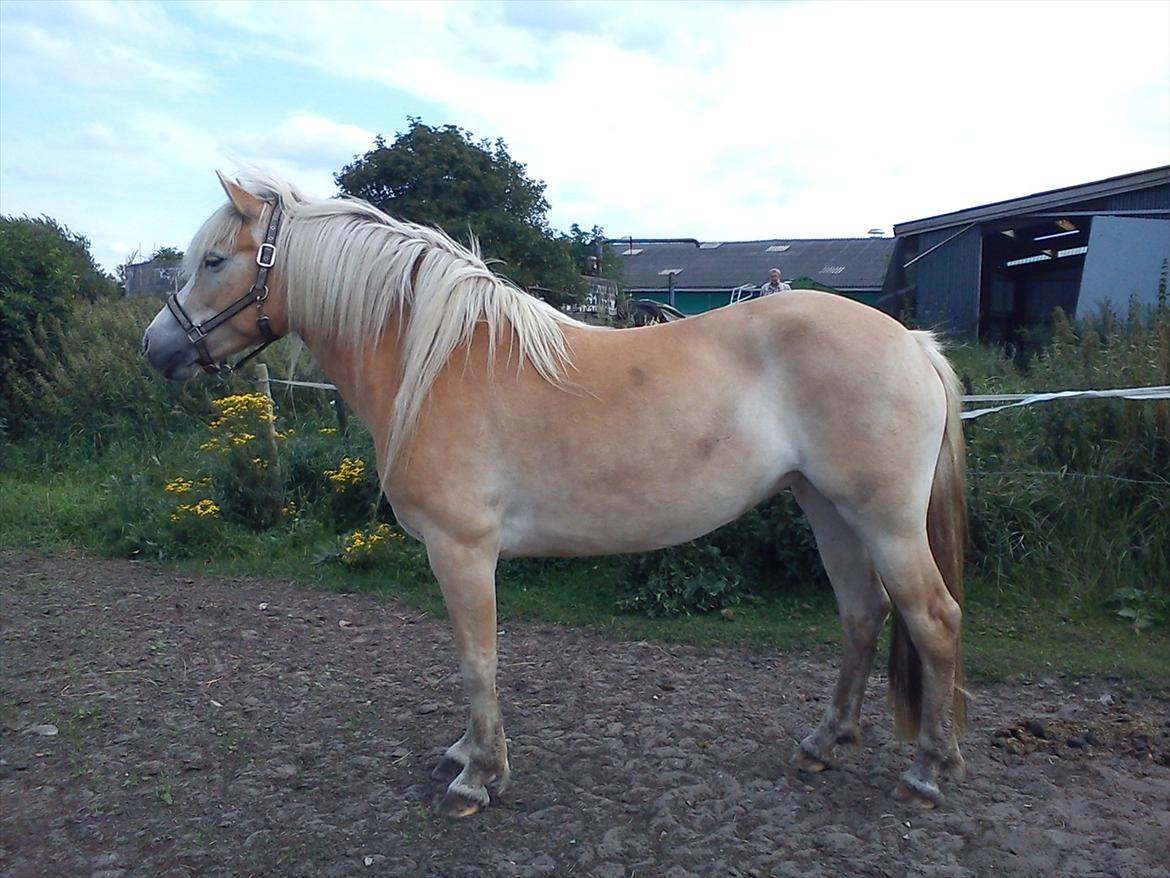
(367, 382)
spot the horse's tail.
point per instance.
(946, 528)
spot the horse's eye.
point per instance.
(213, 260)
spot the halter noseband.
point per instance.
(197, 332)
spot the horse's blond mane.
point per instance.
(348, 267)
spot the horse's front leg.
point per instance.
(467, 577)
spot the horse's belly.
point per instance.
(682, 473)
(636, 517)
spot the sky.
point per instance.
(717, 121)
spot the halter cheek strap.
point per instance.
(197, 332)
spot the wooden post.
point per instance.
(342, 415)
(276, 480)
(265, 383)
(266, 386)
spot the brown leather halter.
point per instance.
(197, 332)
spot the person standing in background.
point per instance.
(775, 284)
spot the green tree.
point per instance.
(442, 176)
(44, 269)
(584, 245)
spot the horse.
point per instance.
(478, 395)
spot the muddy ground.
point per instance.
(160, 724)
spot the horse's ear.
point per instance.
(246, 204)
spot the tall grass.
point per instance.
(100, 392)
(1073, 498)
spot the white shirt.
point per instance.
(767, 289)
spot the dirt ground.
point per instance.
(159, 724)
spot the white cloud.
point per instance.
(304, 147)
(761, 120)
(98, 46)
(720, 121)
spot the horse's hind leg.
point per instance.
(932, 619)
(466, 576)
(863, 606)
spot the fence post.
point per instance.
(266, 386)
(265, 383)
(342, 415)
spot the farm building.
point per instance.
(991, 271)
(159, 276)
(996, 270)
(696, 276)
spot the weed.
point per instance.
(165, 789)
(234, 738)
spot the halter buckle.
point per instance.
(266, 255)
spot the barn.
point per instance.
(993, 272)
(696, 276)
(997, 270)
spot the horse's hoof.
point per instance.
(955, 767)
(810, 762)
(460, 801)
(925, 796)
(850, 741)
(500, 782)
(447, 770)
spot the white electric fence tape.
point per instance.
(1159, 392)
(315, 384)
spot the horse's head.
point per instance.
(225, 306)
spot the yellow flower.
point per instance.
(203, 509)
(206, 509)
(328, 431)
(180, 485)
(242, 409)
(360, 547)
(349, 472)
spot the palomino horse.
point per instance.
(478, 395)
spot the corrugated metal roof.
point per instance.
(1053, 199)
(842, 263)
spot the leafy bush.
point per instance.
(147, 522)
(771, 548)
(44, 270)
(364, 548)
(693, 577)
(330, 472)
(244, 471)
